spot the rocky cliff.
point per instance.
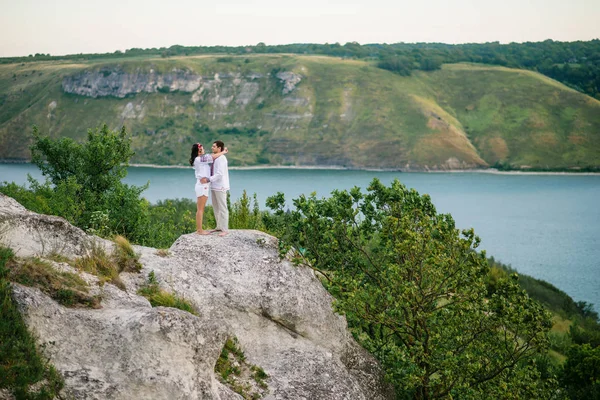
(280, 314)
(114, 81)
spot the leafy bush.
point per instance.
(168, 219)
(414, 292)
(400, 65)
(581, 372)
(86, 178)
(242, 217)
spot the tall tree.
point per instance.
(89, 176)
(413, 290)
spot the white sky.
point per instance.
(87, 26)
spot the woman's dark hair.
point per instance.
(195, 150)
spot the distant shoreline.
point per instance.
(338, 168)
(326, 167)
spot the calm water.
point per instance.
(546, 226)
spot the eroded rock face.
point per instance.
(31, 234)
(290, 80)
(280, 314)
(220, 88)
(115, 82)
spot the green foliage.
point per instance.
(85, 182)
(581, 372)
(243, 217)
(547, 294)
(99, 224)
(169, 219)
(414, 292)
(22, 367)
(560, 342)
(246, 379)
(586, 331)
(400, 65)
(430, 64)
(162, 298)
(98, 165)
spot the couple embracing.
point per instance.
(211, 175)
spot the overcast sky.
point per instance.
(85, 26)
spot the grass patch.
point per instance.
(98, 262)
(248, 380)
(126, 258)
(22, 367)
(163, 253)
(107, 267)
(66, 288)
(162, 298)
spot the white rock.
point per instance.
(280, 314)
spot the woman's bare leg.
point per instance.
(200, 203)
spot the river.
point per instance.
(546, 226)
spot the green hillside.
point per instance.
(306, 110)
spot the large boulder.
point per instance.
(279, 312)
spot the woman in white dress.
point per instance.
(201, 163)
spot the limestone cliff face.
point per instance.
(280, 314)
(115, 82)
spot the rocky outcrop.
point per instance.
(280, 314)
(30, 234)
(113, 81)
(290, 80)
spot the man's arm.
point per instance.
(217, 174)
(216, 155)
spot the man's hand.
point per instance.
(204, 180)
(225, 150)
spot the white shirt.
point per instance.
(219, 181)
(202, 166)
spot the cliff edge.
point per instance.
(280, 314)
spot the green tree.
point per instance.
(581, 372)
(98, 165)
(430, 64)
(413, 290)
(86, 178)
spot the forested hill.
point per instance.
(282, 109)
(576, 64)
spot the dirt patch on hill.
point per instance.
(435, 149)
(498, 148)
(536, 121)
(545, 139)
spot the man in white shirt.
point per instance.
(219, 185)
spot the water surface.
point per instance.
(546, 226)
